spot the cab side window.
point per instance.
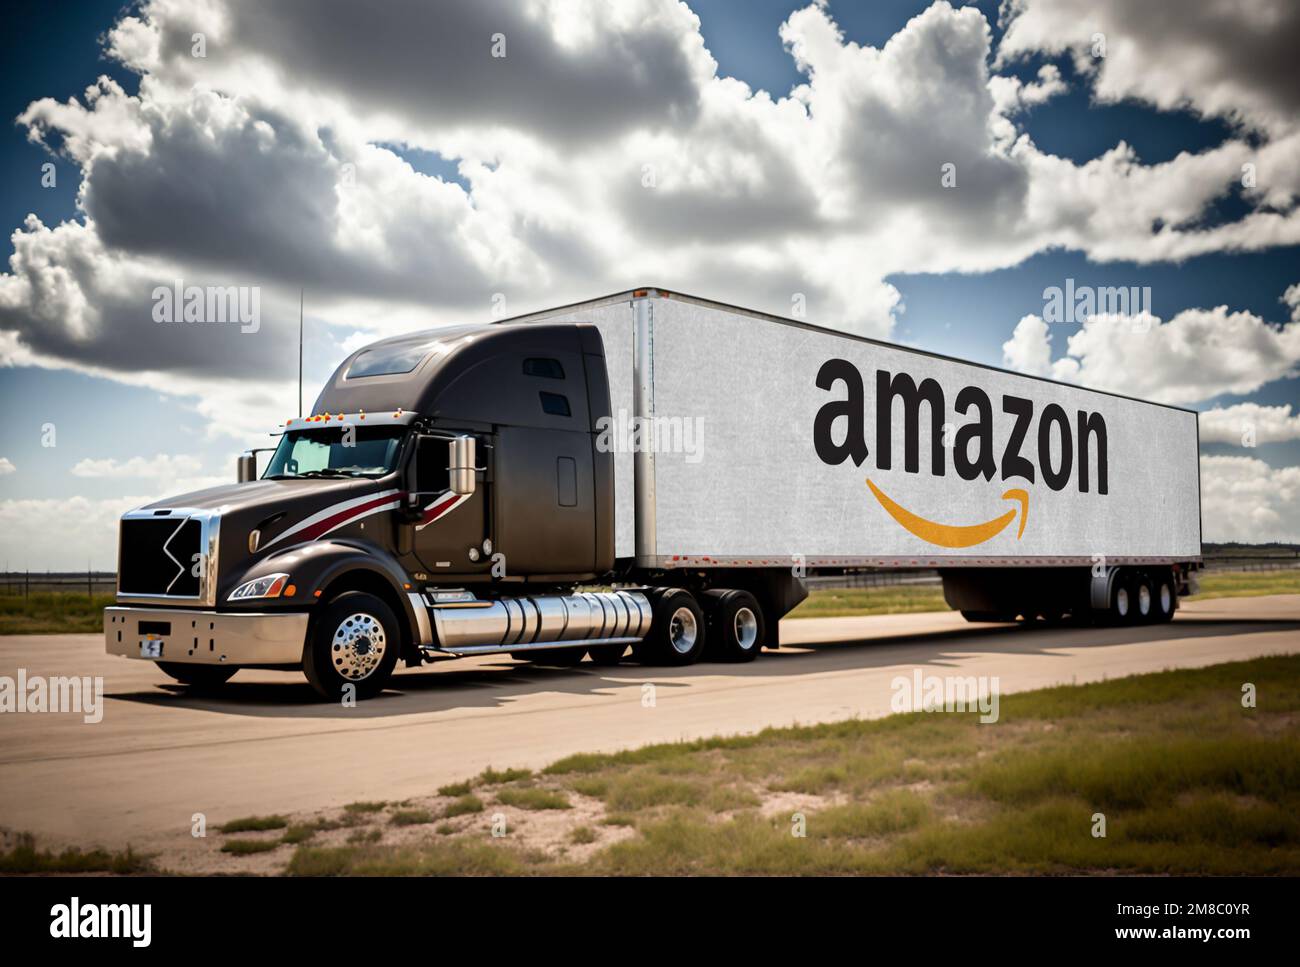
(431, 474)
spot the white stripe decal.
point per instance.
(445, 511)
(333, 509)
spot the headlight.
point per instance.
(267, 587)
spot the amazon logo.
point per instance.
(840, 434)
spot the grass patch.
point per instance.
(369, 835)
(447, 857)
(411, 817)
(456, 789)
(299, 833)
(533, 798)
(1243, 584)
(364, 807)
(494, 777)
(24, 857)
(890, 599)
(463, 806)
(246, 847)
(583, 835)
(253, 824)
(53, 612)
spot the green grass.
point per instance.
(533, 798)
(892, 599)
(1189, 783)
(494, 777)
(246, 847)
(365, 807)
(1245, 584)
(53, 612)
(253, 824)
(24, 857)
(463, 806)
(456, 789)
(411, 817)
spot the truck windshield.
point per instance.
(336, 451)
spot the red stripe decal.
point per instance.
(342, 517)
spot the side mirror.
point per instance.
(246, 468)
(460, 452)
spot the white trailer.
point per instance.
(747, 440)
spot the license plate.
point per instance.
(151, 648)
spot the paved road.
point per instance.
(160, 755)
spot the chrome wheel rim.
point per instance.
(1166, 599)
(358, 646)
(683, 630)
(745, 626)
(1121, 602)
(1144, 600)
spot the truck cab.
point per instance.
(446, 496)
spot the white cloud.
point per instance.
(1196, 355)
(1029, 350)
(47, 534)
(1232, 60)
(6, 466)
(161, 465)
(1244, 499)
(1247, 424)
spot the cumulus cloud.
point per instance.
(6, 466)
(49, 534)
(1244, 499)
(1196, 355)
(1248, 424)
(161, 465)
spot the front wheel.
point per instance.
(353, 642)
(197, 676)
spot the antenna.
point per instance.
(300, 301)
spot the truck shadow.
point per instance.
(500, 683)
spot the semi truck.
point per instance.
(650, 476)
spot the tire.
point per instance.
(677, 630)
(606, 655)
(1165, 597)
(353, 641)
(1143, 599)
(996, 617)
(736, 626)
(197, 676)
(1122, 600)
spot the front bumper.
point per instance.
(206, 637)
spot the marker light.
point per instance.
(269, 586)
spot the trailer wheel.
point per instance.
(1122, 600)
(198, 677)
(1165, 597)
(736, 626)
(353, 641)
(677, 630)
(1143, 599)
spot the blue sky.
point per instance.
(963, 313)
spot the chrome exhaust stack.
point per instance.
(469, 626)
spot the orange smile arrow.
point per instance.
(950, 535)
